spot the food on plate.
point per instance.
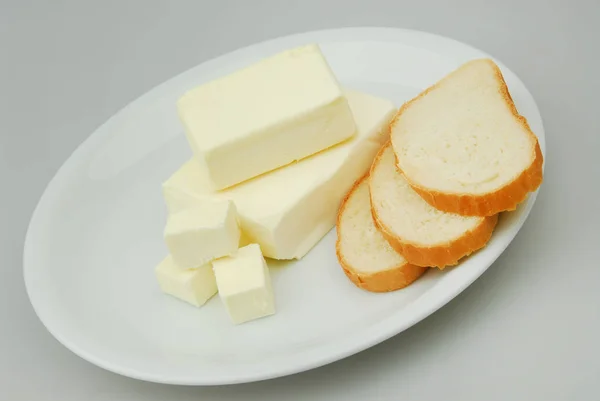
(194, 286)
(362, 251)
(287, 211)
(424, 235)
(281, 154)
(267, 115)
(200, 234)
(244, 285)
(463, 146)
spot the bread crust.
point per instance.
(397, 277)
(502, 199)
(440, 255)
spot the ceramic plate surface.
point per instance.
(96, 236)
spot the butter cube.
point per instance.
(267, 115)
(207, 231)
(245, 285)
(194, 286)
(287, 211)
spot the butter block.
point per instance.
(244, 285)
(194, 286)
(269, 114)
(206, 231)
(287, 211)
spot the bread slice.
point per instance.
(367, 259)
(424, 235)
(463, 146)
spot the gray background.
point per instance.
(528, 329)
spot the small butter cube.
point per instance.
(267, 115)
(207, 231)
(245, 285)
(194, 286)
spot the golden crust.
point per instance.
(504, 198)
(382, 281)
(440, 255)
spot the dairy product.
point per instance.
(279, 110)
(204, 232)
(194, 286)
(287, 211)
(245, 285)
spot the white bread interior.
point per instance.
(424, 235)
(364, 254)
(464, 147)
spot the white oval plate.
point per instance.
(96, 236)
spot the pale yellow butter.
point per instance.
(194, 286)
(206, 231)
(287, 211)
(281, 109)
(244, 284)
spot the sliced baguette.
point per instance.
(463, 146)
(424, 235)
(367, 259)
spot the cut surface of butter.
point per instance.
(269, 114)
(244, 284)
(287, 211)
(194, 286)
(206, 231)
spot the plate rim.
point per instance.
(256, 374)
